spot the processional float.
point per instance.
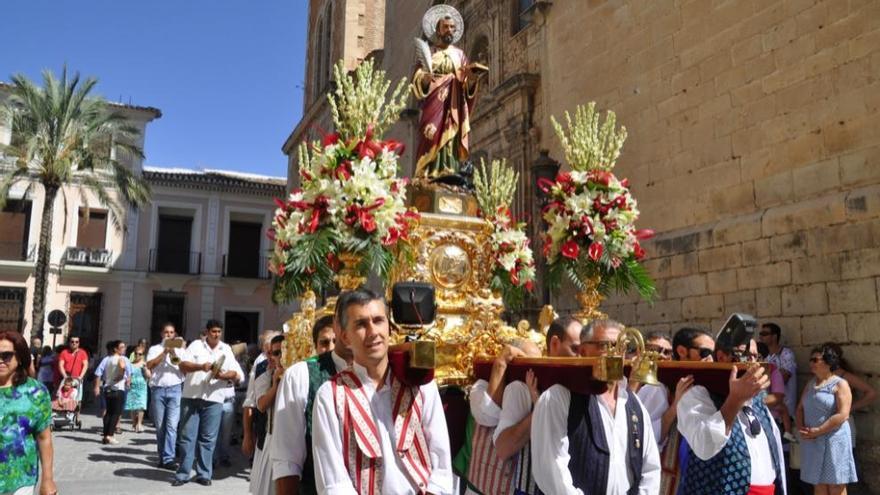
(452, 228)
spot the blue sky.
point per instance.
(227, 74)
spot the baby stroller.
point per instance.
(65, 407)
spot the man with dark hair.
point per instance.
(211, 369)
(323, 335)
(266, 391)
(73, 362)
(512, 435)
(783, 358)
(166, 384)
(733, 445)
(563, 337)
(253, 421)
(292, 469)
(594, 443)
(693, 344)
(371, 430)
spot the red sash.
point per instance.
(361, 444)
(488, 474)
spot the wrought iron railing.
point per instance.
(249, 267)
(173, 261)
(87, 256)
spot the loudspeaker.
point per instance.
(738, 330)
(412, 303)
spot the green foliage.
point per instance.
(494, 187)
(359, 101)
(588, 145)
(64, 135)
(514, 297)
(629, 275)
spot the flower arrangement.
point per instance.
(591, 237)
(351, 203)
(513, 272)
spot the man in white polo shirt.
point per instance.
(204, 391)
(165, 388)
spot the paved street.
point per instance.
(85, 466)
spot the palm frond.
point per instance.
(8, 181)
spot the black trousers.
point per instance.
(115, 401)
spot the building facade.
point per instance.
(197, 251)
(754, 150)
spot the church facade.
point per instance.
(754, 145)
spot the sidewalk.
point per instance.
(84, 466)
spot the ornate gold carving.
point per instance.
(298, 331)
(350, 277)
(452, 253)
(589, 301)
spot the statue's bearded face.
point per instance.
(446, 31)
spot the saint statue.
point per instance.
(446, 83)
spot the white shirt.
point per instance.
(201, 384)
(655, 398)
(250, 397)
(550, 445)
(165, 374)
(289, 456)
(331, 477)
(484, 410)
(109, 374)
(516, 404)
(702, 425)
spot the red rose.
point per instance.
(595, 251)
(570, 249)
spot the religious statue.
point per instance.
(446, 83)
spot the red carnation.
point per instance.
(638, 251)
(570, 249)
(601, 176)
(595, 251)
(643, 234)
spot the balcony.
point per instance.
(87, 257)
(173, 261)
(252, 267)
(17, 251)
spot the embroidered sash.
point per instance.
(488, 474)
(361, 444)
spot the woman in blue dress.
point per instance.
(826, 450)
(136, 399)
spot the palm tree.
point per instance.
(62, 136)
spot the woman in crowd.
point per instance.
(863, 393)
(26, 450)
(826, 446)
(112, 378)
(136, 400)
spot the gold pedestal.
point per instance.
(453, 253)
(429, 198)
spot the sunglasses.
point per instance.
(74, 342)
(276, 353)
(704, 351)
(754, 424)
(663, 351)
(326, 342)
(7, 356)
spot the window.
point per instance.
(241, 326)
(15, 224)
(12, 308)
(520, 21)
(91, 233)
(480, 51)
(85, 320)
(173, 246)
(243, 258)
(322, 60)
(168, 307)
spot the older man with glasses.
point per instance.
(594, 443)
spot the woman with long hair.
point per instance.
(112, 377)
(26, 447)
